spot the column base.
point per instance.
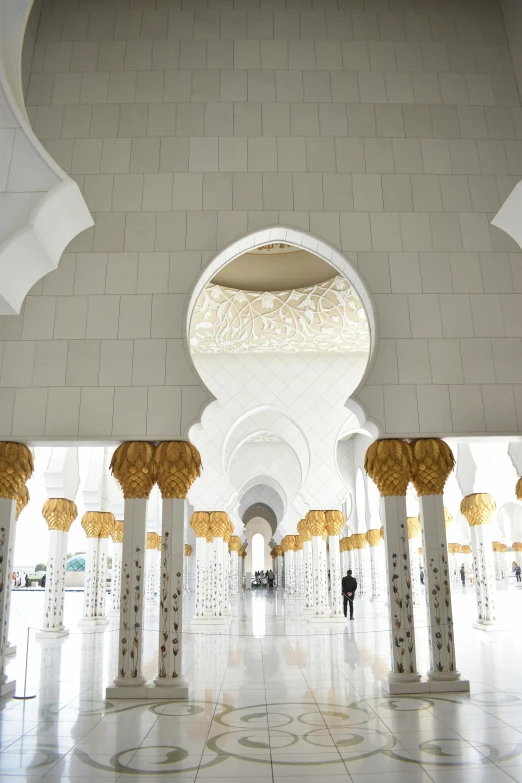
(319, 618)
(51, 633)
(148, 690)
(93, 624)
(487, 626)
(411, 684)
(448, 685)
(308, 610)
(234, 599)
(211, 620)
(113, 613)
(7, 687)
(168, 688)
(10, 650)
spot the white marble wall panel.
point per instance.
(393, 137)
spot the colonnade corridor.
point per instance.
(272, 698)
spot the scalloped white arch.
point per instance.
(59, 212)
(300, 239)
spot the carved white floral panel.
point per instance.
(324, 318)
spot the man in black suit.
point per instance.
(348, 586)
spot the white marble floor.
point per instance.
(272, 700)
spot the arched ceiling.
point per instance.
(274, 269)
(260, 510)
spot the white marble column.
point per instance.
(7, 522)
(226, 573)
(16, 467)
(432, 464)
(150, 566)
(170, 682)
(59, 514)
(414, 529)
(373, 537)
(361, 564)
(187, 569)
(21, 502)
(279, 567)
(201, 574)
(98, 525)
(334, 522)
(117, 542)
(235, 547)
(478, 509)
(308, 575)
(299, 569)
(316, 524)
(289, 564)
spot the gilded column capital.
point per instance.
(177, 465)
(117, 532)
(132, 465)
(158, 545)
(421, 551)
(91, 523)
(466, 549)
(219, 524)
(22, 499)
(389, 464)
(432, 463)
(316, 523)
(373, 537)
(229, 532)
(299, 543)
(152, 540)
(278, 550)
(478, 508)
(334, 522)
(448, 517)
(288, 543)
(359, 541)
(503, 548)
(302, 529)
(381, 531)
(200, 523)
(414, 527)
(454, 549)
(234, 544)
(517, 546)
(59, 513)
(518, 489)
(107, 524)
(188, 550)
(16, 467)
(343, 544)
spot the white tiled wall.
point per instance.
(391, 130)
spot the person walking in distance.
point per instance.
(348, 587)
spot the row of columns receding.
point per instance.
(301, 561)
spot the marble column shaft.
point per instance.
(130, 642)
(320, 577)
(335, 577)
(116, 577)
(485, 589)
(150, 574)
(438, 592)
(7, 523)
(279, 561)
(289, 563)
(55, 581)
(308, 576)
(201, 576)
(234, 580)
(403, 652)
(174, 512)
(374, 571)
(90, 582)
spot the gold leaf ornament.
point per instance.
(91, 523)
(200, 523)
(448, 517)
(59, 513)
(288, 543)
(16, 467)
(188, 550)
(466, 549)
(414, 527)
(334, 521)
(302, 529)
(389, 464)
(132, 465)
(299, 543)
(316, 523)
(518, 489)
(359, 541)
(117, 532)
(152, 540)
(234, 544)
(219, 523)
(177, 465)
(478, 508)
(373, 537)
(432, 463)
(22, 499)
(107, 524)
(278, 550)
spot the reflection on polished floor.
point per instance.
(272, 700)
